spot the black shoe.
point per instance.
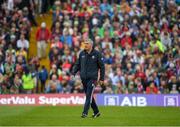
(95, 115)
(84, 116)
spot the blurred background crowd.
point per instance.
(140, 41)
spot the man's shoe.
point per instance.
(84, 116)
(95, 115)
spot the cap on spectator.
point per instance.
(43, 25)
(54, 66)
(131, 83)
(128, 33)
(25, 19)
(97, 38)
(12, 37)
(56, 38)
(76, 22)
(57, 2)
(25, 9)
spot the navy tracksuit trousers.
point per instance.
(89, 86)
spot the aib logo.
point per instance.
(111, 100)
(171, 101)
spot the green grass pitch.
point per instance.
(70, 116)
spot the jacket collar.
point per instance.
(90, 52)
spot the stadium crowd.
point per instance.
(140, 41)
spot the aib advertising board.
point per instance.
(139, 100)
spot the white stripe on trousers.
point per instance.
(92, 92)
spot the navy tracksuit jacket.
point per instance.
(89, 64)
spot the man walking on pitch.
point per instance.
(89, 63)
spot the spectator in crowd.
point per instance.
(151, 89)
(42, 37)
(43, 76)
(42, 6)
(17, 87)
(54, 85)
(78, 88)
(28, 82)
(22, 43)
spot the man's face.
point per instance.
(87, 46)
(22, 37)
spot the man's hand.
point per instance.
(101, 82)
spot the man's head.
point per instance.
(88, 44)
(22, 37)
(43, 25)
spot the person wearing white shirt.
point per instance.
(22, 43)
(165, 39)
(10, 5)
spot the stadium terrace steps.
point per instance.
(33, 46)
